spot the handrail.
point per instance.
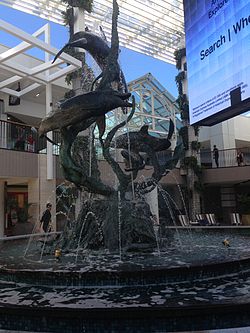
(22, 137)
(7, 238)
(16, 123)
(227, 149)
(15, 136)
(227, 157)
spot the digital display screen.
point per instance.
(218, 54)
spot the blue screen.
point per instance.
(218, 54)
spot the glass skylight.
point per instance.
(154, 27)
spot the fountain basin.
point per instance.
(142, 293)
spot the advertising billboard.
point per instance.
(218, 58)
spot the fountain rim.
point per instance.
(152, 276)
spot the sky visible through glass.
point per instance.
(134, 64)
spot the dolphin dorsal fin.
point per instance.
(144, 129)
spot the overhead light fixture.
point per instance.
(38, 94)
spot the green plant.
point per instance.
(68, 17)
(196, 129)
(77, 73)
(184, 106)
(198, 185)
(178, 79)
(83, 4)
(11, 204)
(179, 54)
(190, 162)
(73, 75)
(195, 145)
(198, 170)
(23, 213)
(183, 132)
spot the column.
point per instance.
(47, 190)
(79, 25)
(34, 199)
(49, 135)
(48, 109)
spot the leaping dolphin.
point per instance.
(97, 48)
(90, 42)
(136, 160)
(141, 140)
(82, 107)
(133, 143)
(107, 58)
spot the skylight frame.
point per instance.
(154, 28)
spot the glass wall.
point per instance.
(155, 106)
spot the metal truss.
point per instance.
(41, 74)
(152, 27)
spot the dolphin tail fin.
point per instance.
(35, 131)
(171, 129)
(51, 141)
(101, 124)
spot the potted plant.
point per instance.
(23, 213)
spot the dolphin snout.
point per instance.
(76, 43)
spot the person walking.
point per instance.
(46, 219)
(216, 156)
(239, 158)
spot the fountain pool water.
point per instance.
(202, 280)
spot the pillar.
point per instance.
(48, 109)
(47, 190)
(79, 25)
(194, 203)
(49, 135)
(34, 200)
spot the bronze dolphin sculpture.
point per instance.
(97, 48)
(141, 140)
(82, 107)
(137, 161)
(90, 42)
(92, 106)
(133, 143)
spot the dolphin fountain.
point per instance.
(111, 270)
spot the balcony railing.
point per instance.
(16, 136)
(227, 158)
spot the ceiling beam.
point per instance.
(20, 48)
(11, 29)
(9, 81)
(160, 22)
